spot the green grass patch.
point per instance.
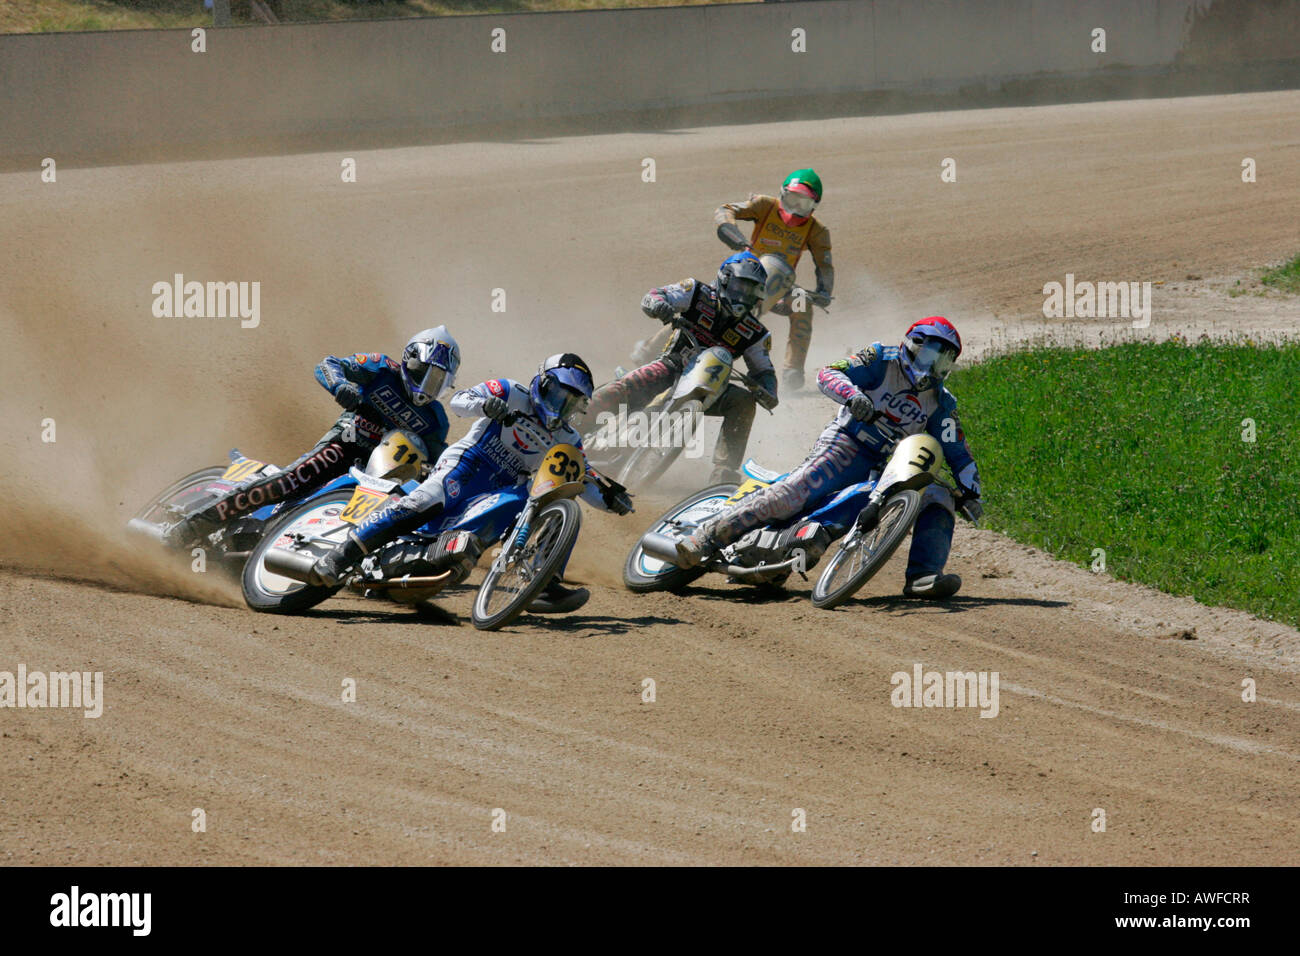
(1138, 449)
(1283, 278)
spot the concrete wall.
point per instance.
(144, 94)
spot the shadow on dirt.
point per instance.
(751, 594)
(390, 614)
(433, 614)
(598, 624)
(896, 602)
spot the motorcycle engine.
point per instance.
(455, 551)
(768, 546)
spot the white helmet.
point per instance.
(429, 365)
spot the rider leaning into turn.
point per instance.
(724, 314)
(516, 426)
(405, 395)
(783, 228)
(886, 393)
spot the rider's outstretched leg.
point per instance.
(737, 407)
(931, 543)
(796, 347)
(337, 449)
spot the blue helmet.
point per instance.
(741, 282)
(929, 348)
(561, 387)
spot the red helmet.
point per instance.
(929, 348)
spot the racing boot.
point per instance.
(792, 380)
(694, 548)
(933, 586)
(385, 524)
(557, 599)
(725, 476)
(330, 566)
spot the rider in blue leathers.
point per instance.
(516, 425)
(377, 393)
(886, 393)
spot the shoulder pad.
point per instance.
(869, 354)
(687, 284)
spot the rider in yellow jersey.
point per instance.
(783, 228)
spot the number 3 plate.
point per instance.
(364, 501)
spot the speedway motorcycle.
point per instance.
(534, 528)
(872, 521)
(404, 456)
(636, 451)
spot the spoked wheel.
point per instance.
(861, 556)
(509, 588)
(180, 496)
(648, 463)
(264, 590)
(642, 573)
(644, 465)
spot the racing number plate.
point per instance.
(363, 502)
(243, 468)
(747, 487)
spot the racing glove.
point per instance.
(619, 502)
(821, 298)
(862, 408)
(730, 234)
(495, 408)
(613, 494)
(663, 310)
(970, 508)
(348, 394)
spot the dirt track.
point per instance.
(763, 706)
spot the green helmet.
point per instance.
(805, 177)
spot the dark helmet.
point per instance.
(561, 387)
(741, 281)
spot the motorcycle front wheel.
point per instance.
(510, 587)
(855, 564)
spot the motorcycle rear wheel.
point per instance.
(271, 593)
(153, 511)
(668, 577)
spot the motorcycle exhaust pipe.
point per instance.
(409, 581)
(290, 564)
(660, 546)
